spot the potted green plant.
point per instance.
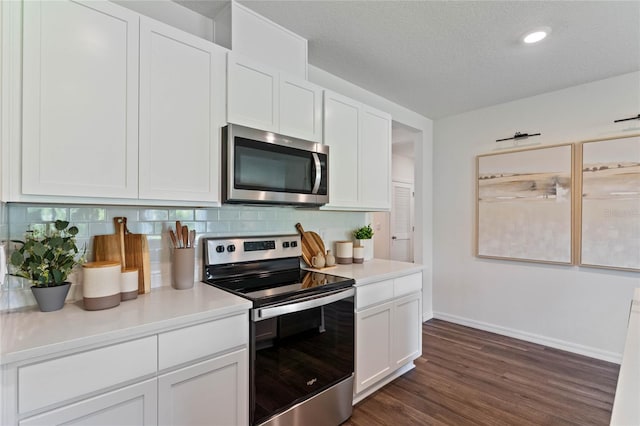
(46, 259)
(364, 238)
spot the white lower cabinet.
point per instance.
(134, 405)
(388, 329)
(208, 393)
(373, 343)
(193, 375)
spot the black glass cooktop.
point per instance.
(264, 288)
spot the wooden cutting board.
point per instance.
(110, 247)
(311, 244)
(136, 250)
(131, 250)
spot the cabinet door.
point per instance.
(212, 392)
(80, 99)
(375, 160)
(373, 345)
(407, 329)
(134, 405)
(179, 140)
(300, 109)
(252, 97)
(341, 133)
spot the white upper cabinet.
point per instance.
(359, 139)
(375, 159)
(80, 100)
(300, 108)
(252, 94)
(247, 33)
(115, 108)
(342, 133)
(264, 98)
(181, 78)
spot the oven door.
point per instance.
(300, 349)
(264, 167)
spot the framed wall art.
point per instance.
(524, 205)
(609, 206)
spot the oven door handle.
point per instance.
(288, 308)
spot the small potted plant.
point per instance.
(364, 238)
(46, 259)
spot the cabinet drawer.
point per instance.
(202, 340)
(372, 294)
(407, 284)
(51, 382)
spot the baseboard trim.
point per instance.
(534, 338)
(426, 316)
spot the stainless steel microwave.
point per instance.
(261, 167)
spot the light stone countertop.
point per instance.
(29, 333)
(626, 406)
(372, 270)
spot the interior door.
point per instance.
(402, 222)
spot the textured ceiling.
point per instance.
(440, 58)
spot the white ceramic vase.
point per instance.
(368, 248)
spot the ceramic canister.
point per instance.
(344, 252)
(358, 254)
(129, 284)
(101, 285)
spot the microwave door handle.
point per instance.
(316, 184)
(275, 311)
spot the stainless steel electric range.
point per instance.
(301, 329)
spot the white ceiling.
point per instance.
(440, 58)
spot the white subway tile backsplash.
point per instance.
(228, 220)
(206, 214)
(181, 215)
(87, 214)
(46, 214)
(153, 214)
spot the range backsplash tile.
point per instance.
(228, 220)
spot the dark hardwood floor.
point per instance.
(471, 377)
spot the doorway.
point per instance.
(394, 231)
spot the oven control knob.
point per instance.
(219, 249)
(231, 248)
(294, 244)
(285, 244)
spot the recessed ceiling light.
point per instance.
(536, 35)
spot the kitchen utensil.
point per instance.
(179, 233)
(185, 237)
(136, 249)
(192, 238)
(174, 240)
(311, 244)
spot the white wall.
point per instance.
(579, 309)
(423, 163)
(402, 169)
